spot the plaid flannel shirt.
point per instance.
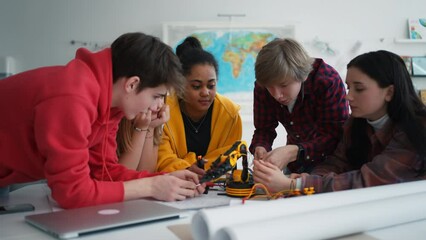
(315, 122)
(391, 159)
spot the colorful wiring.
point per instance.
(260, 191)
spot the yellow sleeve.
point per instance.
(168, 160)
(226, 141)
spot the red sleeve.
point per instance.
(112, 170)
(62, 127)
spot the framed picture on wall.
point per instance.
(417, 28)
(419, 66)
(407, 61)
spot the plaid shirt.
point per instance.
(315, 122)
(391, 159)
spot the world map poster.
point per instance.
(235, 47)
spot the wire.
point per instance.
(266, 194)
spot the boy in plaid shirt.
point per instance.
(305, 95)
(383, 140)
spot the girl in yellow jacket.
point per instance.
(203, 122)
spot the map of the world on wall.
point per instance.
(234, 49)
(236, 54)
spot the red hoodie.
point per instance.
(58, 124)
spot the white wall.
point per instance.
(38, 33)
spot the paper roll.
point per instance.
(206, 222)
(332, 222)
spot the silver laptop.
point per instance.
(82, 221)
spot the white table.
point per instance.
(13, 226)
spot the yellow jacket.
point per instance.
(226, 128)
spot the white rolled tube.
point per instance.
(206, 222)
(332, 222)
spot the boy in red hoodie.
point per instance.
(60, 123)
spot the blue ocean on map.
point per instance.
(235, 52)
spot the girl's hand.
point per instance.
(143, 120)
(271, 176)
(161, 117)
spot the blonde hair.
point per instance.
(282, 58)
(124, 136)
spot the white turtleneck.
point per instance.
(379, 123)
